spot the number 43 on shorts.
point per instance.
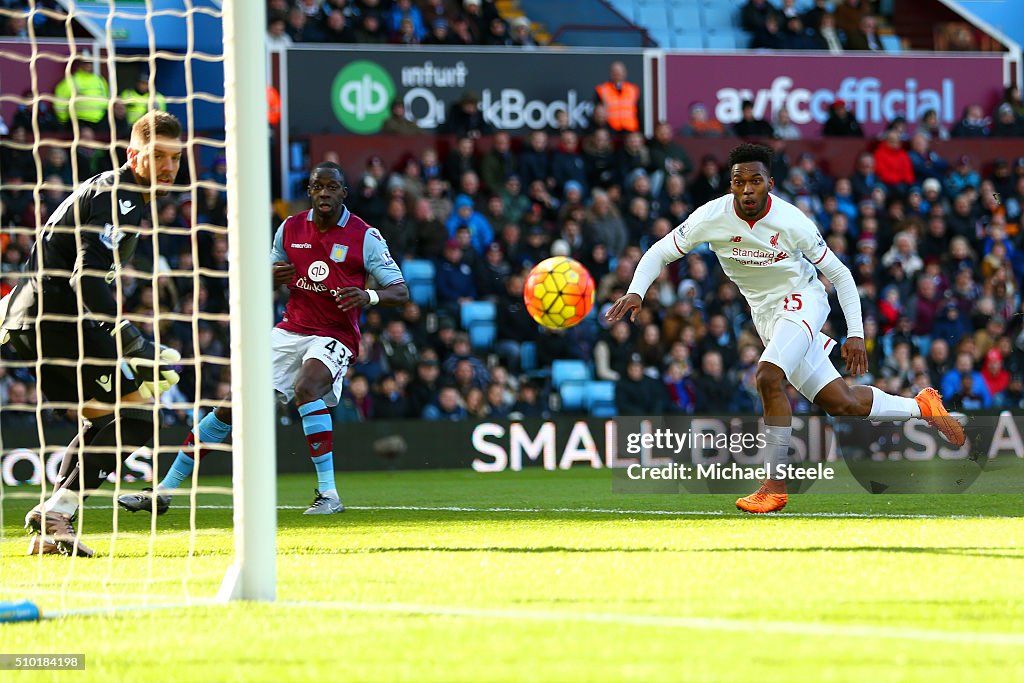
(333, 348)
(792, 303)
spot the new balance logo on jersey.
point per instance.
(774, 241)
(125, 205)
(105, 382)
(303, 245)
(737, 238)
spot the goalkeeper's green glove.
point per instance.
(151, 369)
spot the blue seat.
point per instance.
(600, 398)
(569, 370)
(472, 312)
(684, 16)
(482, 334)
(687, 39)
(650, 15)
(574, 396)
(721, 41)
(662, 35)
(891, 43)
(423, 293)
(528, 356)
(718, 16)
(419, 276)
(418, 269)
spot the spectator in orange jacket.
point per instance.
(621, 98)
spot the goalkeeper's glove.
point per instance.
(152, 371)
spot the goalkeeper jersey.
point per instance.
(88, 236)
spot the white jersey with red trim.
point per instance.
(765, 258)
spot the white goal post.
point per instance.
(65, 586)
(253, 574)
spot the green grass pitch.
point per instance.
(546, 576)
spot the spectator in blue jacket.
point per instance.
(567, 164)
(950, 325)
(454, 278)
(926, 162)
(961, 177)
(464, 214)
(447, 408)
(404, 9)
(952, 381)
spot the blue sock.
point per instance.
(319, 430)
(210, 430)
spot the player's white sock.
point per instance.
(776, 449)
(888, 407)
(63, 501)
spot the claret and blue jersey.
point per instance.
(325, 263)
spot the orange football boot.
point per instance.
(771, 497)
(935, 414)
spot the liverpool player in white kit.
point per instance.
(770, 249)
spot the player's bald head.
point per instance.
(328, 168)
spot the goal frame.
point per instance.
(252, 576)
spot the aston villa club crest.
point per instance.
(339, 252)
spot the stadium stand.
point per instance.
(939, 262)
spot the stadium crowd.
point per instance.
(396, 22)
(934, 244)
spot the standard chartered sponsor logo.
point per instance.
(360, 96)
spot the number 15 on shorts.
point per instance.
(792, 303)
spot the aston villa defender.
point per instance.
(324, 255)
(770, 249)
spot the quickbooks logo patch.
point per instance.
(360, 96)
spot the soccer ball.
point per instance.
(559, 292)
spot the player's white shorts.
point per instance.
(290, 351)
(808, 308)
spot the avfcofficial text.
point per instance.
(863, 96)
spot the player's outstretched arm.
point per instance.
(855, 355)
(854, 352)
(627, 304)
(394, 294)
(662, 253)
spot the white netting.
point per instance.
(174, 289)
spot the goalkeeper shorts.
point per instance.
(57, 373)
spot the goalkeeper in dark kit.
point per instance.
(63, 318)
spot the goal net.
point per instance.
(70, 90)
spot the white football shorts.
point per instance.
(289, 351)
(808, 308)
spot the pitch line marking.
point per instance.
(797, 628)
(615, 511)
